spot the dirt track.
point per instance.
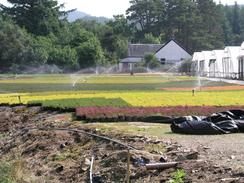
(54, 156)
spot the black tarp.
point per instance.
(219, 123)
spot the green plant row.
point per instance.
(82, 102)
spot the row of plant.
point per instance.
(125, 113)
(82, 102)
(128, 98)
(146, 114)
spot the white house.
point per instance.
(169, 53)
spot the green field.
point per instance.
(112, 90)
(48, 83)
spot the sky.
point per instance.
(108, 8)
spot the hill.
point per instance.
(75, 15)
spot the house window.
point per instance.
(163, 61)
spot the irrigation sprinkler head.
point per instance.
(19, 99)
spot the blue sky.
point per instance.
(108, 8)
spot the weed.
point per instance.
(178, 176)
(5, 173)
(14, 171)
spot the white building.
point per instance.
(241, 62)
(216, 64)
(169, 53)
(204, 63)
(227, 63)
(230, 62)
(197, 56)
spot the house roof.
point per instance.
(131, 60)
(139, 50)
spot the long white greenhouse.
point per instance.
(227, 63)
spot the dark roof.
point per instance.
(139, 50)
(131, 60)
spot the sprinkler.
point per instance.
(19, 99)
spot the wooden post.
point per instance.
(91, 169)
(156, 166)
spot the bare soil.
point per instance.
(62, 156)
(208, 88)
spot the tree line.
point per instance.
(37, 32)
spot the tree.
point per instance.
(14, 42)
(40, 17)
(150, 39)
(225, 23)
(38, 52)
(236, 19)
(64, 57)
(181, 22)
(146, 16)
(122, 27)
(151, 62)
(211, 29)
(185, 67)
(242, 23)
(88, 48)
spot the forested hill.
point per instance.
(76, 15)
(34, 33)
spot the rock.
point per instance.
(62, 146)
(59, 169)
(97, 178)
(206, 148)
(84, 168)
(181, 158)
(87, 162)
(38, 173)
(163, 159)
(192, 156)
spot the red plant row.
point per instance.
(139, 113)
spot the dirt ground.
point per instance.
(209, 88)
(28, 153)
